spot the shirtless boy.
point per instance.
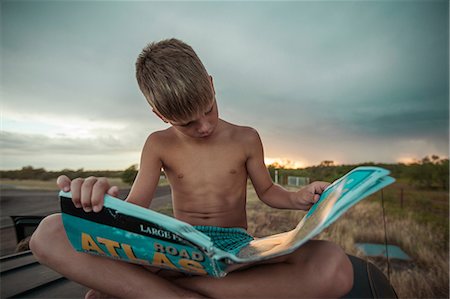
(207, 161)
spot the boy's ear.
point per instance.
(212, 84)
(160, 116)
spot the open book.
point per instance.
(134, 234)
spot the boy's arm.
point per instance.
(146, 181)
(89, 193)
(272, 194)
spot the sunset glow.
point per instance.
(407, 160)
(284, 162)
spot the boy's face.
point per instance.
(200, 126)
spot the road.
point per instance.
(19, 202)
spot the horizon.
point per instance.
(344, 81)
(289, 165)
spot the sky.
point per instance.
(347, 81)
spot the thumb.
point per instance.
(63, 183)
(113, 191)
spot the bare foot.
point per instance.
(93, 294)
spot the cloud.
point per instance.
(38, 150)
(29, 144)
(348, 76)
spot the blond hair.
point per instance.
(174, 80)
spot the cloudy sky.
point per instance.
(348, 81)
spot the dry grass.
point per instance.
(264, 220)
(28, 184)
(426, 276)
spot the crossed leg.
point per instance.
(317, 269)
(51, 247)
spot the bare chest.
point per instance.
(204, 164)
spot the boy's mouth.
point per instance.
(204, 135)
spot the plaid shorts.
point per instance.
(230, 239)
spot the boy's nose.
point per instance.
(204, 128)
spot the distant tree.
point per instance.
(129, 175)
(435, 158)
(430, 172)
(442, 173)
(30, 173)
(276, 165)
(327, 163)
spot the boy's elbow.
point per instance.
(262, 192)
(139, 202)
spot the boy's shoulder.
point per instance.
(161, 136)
(239, 131)
(244, 136)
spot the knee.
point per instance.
(335, 268)
(43, 238)
(343, 274)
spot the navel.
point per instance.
(180, 176)
(233, 171)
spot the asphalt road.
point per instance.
(19, 202)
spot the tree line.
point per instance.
(31, 173)
(431, 172)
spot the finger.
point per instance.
(316, 198)
(86, 193)
(310, 190)
(306, 207)
(63, 183)
(320, 186)
(113, 191)
(98, 194)
(324, 185)
(75, 187)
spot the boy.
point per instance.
(207, 161)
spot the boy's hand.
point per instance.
(87, 193)
(309, 195)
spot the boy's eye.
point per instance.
(210, 110)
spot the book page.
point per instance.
(334, 201)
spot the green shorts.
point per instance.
(229, 239)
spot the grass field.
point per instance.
(420, 228)
(28, 184)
